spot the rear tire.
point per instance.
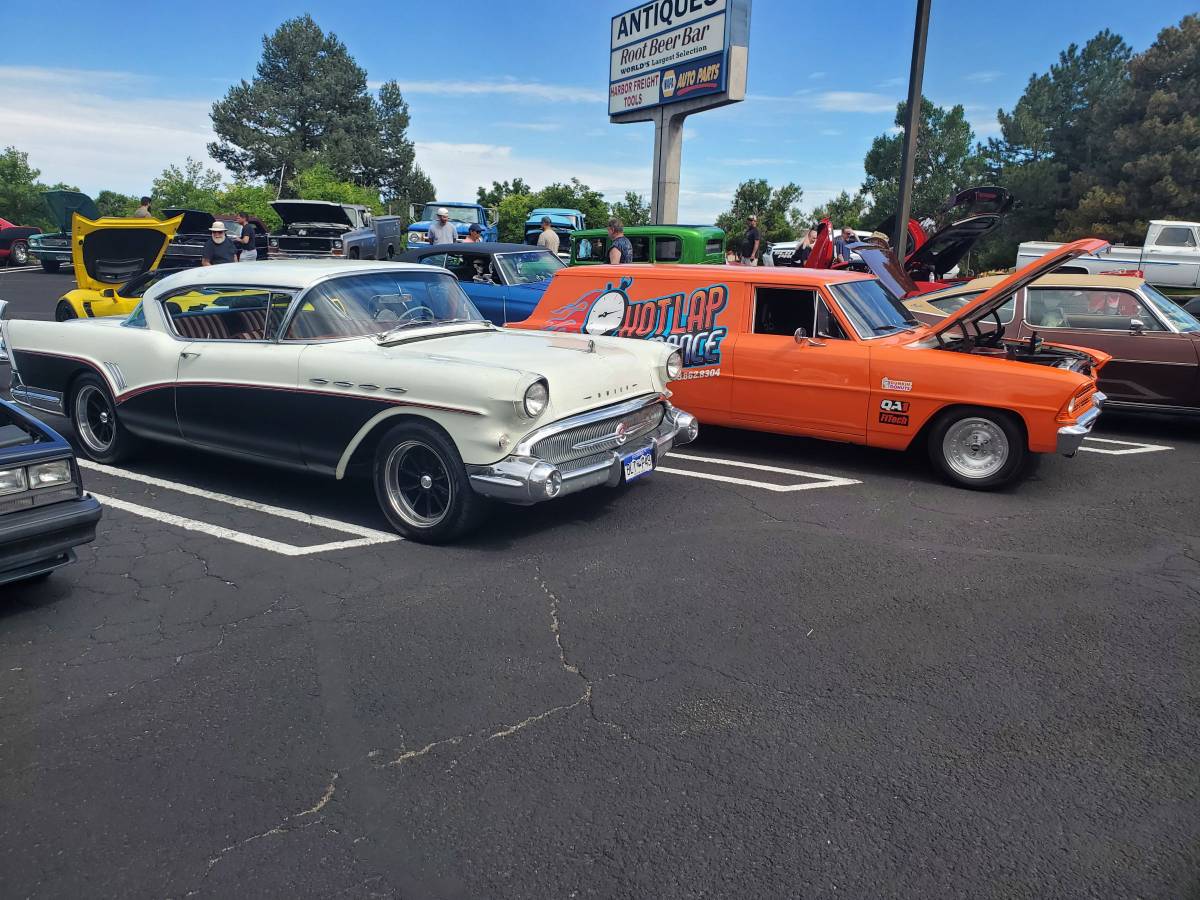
(978, 448)
(18, 254)
(51, 265)
(102, 435)
(422, 485)
(354, 253)
(64, 311)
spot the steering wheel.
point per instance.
(410, 314)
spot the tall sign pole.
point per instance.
(908, 161)
(667, 60)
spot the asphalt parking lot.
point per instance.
(776, 668)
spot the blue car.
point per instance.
(505, 281)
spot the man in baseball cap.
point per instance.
(218, 248)
(442, 231)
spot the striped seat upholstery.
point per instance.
(225, 325)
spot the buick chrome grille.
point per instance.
(598, 437)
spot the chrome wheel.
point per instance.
(19, 253)
(95, 419)
(975, 447)
(419, 488)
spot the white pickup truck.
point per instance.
(1169, 258)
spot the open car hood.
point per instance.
(109, 252)
(883, 265)
(945, 249)
(313, 212)
(195, 221)
(64, 204)
(991, 300)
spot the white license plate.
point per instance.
(639, 463)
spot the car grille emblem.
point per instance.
(621, 434)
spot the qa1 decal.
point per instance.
(684, 320)
(893, 412)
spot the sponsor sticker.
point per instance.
(891, 384)
(887, 418)
(895, 406)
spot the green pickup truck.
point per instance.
(689, 244)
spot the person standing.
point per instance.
(441, 231)
(804, 248)
(143, 211)
(751, 242)
(841, 244)
(218, 248)
(474, 235)
(549, 237)
(246, 241)
(620, 250)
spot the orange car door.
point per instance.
(817, 385)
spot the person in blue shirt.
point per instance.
(621, 250)
(841, 244)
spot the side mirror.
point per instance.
(1136, 326)
(801, 336)
(108, 293)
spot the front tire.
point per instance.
(422, 485)
(51, 265)
(977, 448)
(18, 254)
(64, 311)
(102, 435)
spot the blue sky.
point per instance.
(115, 92)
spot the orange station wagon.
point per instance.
(835, 355)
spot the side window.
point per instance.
(951, 304)
(641, 249)
(226, 313)
(782, 310)
(713, 248)
(668, 249)
(136, 319)
(1176, 236)
(477, 268)
(436, 259)
(1089, 309)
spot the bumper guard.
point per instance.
(1070, 437)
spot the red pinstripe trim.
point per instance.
(128, 395)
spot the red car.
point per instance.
(14, 243)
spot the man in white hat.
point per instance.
(218, 248)
(442, 231)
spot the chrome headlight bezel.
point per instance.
(13, 481)
(674, 366)
(535, 399)
(60, 470)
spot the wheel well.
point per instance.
(364, 454)
(921, 438)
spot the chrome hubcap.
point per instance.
(94, 419)
(975, 447)
(419, 489)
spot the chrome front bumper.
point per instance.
(524, 479)
(1070, 437)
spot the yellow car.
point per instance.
(115, 262)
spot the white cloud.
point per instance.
(532, 90)
(984, 127)
(986, 77)
(855, 101)
(75, 129)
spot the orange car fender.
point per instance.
(910, 387)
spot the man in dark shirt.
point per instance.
(247, 249)
(751, 241)
(218, 248)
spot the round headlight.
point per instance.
(674, 366)
(537, 395)
(337, 245)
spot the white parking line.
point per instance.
(819, 480)
(363, 536)
(1130, 447)
(7, 269)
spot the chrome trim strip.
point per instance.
(39, 399)
(1070, 437)
(525, 446)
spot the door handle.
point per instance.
(188, 355)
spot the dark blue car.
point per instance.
(505, 281)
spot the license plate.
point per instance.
(639, 463)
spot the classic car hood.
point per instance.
(64, 204)
(946, 248)
(314, 212)
(195, 221)
(989, 301)
(110, 251)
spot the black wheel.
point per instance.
(64, 311)
(354, 253)
(422, 486)
(50, 265)
(978, 448)
(391, 252)
(18, 253)
(102, 436)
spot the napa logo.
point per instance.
(668, 83)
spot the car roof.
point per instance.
(289, 273)
(1128, 282)
(781, 275)
(637, 230)
(476, 247)
(1174, 222)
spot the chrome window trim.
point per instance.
(171, 332)
(1168, 328)
(599, 414)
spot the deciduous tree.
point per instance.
(114, 203)
(192, 187)
(20, 193)
(634, 209)
(492, 197)
(844, 209)
(320, 182)
(777, 210)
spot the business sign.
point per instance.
(666, 51)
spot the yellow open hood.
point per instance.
(107, 252)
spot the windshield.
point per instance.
(871, 309)
(468, 215)
(1170, 310)
(529, 267)
(374, 302)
